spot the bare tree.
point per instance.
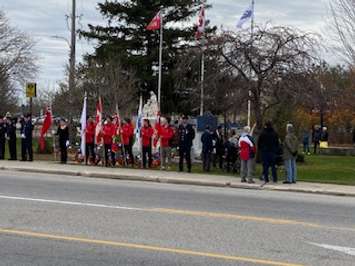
(343, 12)
(17, 58)
(110, 80)
(269, 61)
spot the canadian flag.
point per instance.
(155, 24)
(98, 130)
(201, 23)
(47, 123)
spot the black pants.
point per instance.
(315, 146)
(218, 158)
(13, 149)
(2, 149)
(89, 151)
(109, 155)
(185, 153)
(27, 150)
(128, 151)
(63, 153)
(147, 152)
(206, 159)
(269, 161)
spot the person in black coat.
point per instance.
(219, 148)
(269, 146)
(26, 136)
(2, 137)
(207, 148)
(11, 135)
(186, 137)
(63, 134)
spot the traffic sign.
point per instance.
(31, 90)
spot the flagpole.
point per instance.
(160, 56)
(202, 81)
(251, 37)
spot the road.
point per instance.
(62, 220)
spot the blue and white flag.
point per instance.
(83, 126)
(248, 14)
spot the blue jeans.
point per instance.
(291, 169)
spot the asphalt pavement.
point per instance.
(67, 220)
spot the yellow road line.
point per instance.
(248, 218)
(145, 247)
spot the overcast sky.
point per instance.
(45, 18)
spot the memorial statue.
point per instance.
(151, 108)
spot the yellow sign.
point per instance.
(31, 90)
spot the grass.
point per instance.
(317, 168)
(328, 169)
(338, 170)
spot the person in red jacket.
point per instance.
(247, 148)
(165, 134)
(127, 133)
(147, 133)
(108, 132)
(90, 140)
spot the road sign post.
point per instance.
(31, 92)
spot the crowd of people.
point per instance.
(228, 151)
(118, 138)
(8, 129)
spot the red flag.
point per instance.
(98, 130)
(47, 123)
(201, 23)
(155, 24)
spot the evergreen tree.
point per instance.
(125, 37)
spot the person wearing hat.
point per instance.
(11, 136)
(26, 136)
(2, 137)
(186, 137)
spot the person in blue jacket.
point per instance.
(26, 136)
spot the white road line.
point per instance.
(72, 203)
(346, 250)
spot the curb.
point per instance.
(166, 180)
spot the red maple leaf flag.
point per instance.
(98, 130)
(201, 23)
(155, 24)
(47, 123)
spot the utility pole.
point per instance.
(72, 58)
(72, 63)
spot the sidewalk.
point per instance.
(171, 177)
